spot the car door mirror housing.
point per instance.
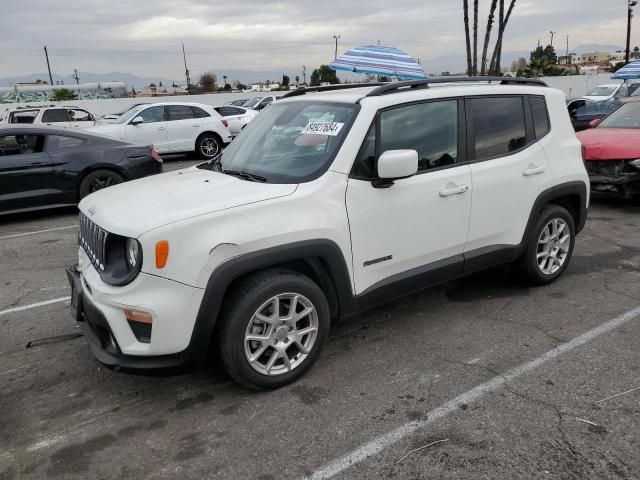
(137, 121)
(595, 122)
(397, 164)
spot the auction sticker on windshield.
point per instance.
(323, 128)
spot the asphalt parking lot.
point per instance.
(480, 378)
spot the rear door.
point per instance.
(509, 169)
(55, 117)
(25, 170)
(183, 128)
(153, 131)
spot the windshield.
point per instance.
(627, 116)
(130, 114)
(252, 102)
(291, 142)
(602, 91)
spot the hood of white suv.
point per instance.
(133, 208)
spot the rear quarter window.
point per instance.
(540, 116)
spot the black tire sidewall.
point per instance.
(199, 145)
(85, 184)
(236, 318)
(530, 259)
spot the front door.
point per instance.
(153, 131)
(79, 118)
(415, 229)
(25, 170)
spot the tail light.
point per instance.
(155, 155)
(584, 153)
(225, 123)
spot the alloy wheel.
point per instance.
(281, 334)
(209, 147)
(554, 244)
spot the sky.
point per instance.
(144, 38)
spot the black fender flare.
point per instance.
(320, 254)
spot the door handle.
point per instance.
(533, 170)
(195, 125)
(455, 190)
(161, 128)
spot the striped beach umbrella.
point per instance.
(629, 72)
(379, 60)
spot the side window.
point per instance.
(199, 113)
(20, 144)
(540, 116)
(78, 115)
(60, 142)
(152, 114)
(53, 115)
(498, 126)
(179, 112)
(365, 165)
(430, 128)
(23, 117)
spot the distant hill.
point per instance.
(455, 63)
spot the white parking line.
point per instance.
(388, 439)
(34, 305)
(37, 231)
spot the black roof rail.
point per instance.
(417, 84)
(325, 88)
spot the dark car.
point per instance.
(611, 151)
(42, 167)
(583, 111)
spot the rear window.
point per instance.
(499, 126)
(540, 116)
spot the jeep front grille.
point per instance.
(93, 240)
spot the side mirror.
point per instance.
(595, 122)
(396, 164)
(137, 121)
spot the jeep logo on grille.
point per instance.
(92, 210)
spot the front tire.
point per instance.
(97, 180)
(550, 247)
(208, 146)
(273, 327)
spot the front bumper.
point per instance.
(99, 310)
(625, 184)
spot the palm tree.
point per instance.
(487, 36)
(497, 52)
(465, 8)
(475, 37)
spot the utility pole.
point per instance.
(186, 70)
(336, 37)
(46, 54)
(568, 59)
(75, 76)
(552, 34)
(304, 74)
(630, 5)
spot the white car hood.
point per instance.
(133, 208)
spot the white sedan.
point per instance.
(238, 117)
(172, 127)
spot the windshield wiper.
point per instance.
(245, 175)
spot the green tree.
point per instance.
(227, 87)
(63, 94)
(618, 66)
(324, 74)
(636, 52)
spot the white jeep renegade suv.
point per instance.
(328, 203)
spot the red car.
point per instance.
(611, 151)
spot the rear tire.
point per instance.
(550, 247)
(97, 180)
(263, 344)
(208, 146)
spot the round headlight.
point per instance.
(133, 253)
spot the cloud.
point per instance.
(145, 37)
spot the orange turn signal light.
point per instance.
(162, 253)
(140, 317)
